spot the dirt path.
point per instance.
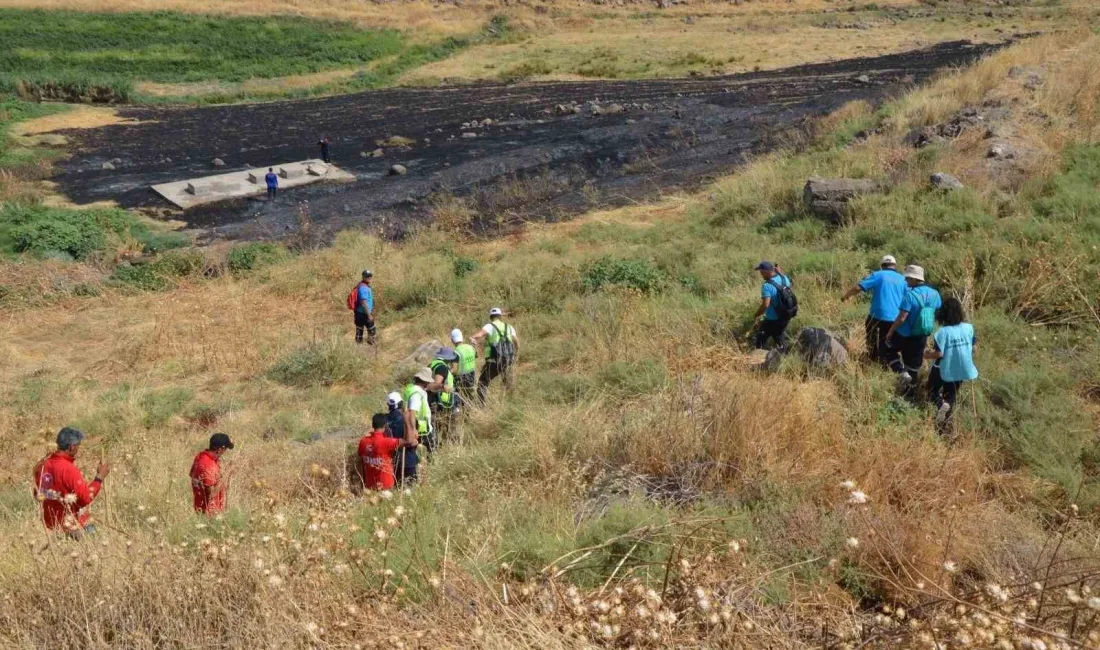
(533, 161)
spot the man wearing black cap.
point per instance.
(364, 309)
(60, 486)
(208, 485)
(769, 322)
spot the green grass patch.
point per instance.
(318, 364)
(77, 234)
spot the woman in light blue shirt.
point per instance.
(953, 360)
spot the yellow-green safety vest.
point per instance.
(424, 413)
(447, 395)
(467, 358)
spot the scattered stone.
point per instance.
(420, 357)
(689, 20)
(829, 197)
(1034, 81)
(863, 79)
(108, 166)
(469, 135)
(1001, 151)
(378, 153)
(218, 162)
(614, 109)
(946, 182)
(820, 348)
(364, 154)
(398, 170)
(116, 161)
(487, 122)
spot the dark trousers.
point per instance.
(466, 385)
(271, 192)
(363, 322)
(876, 338)
(405, 462)
(772, 329)
(906, 354)
(324, 154)
(942, 392)
(490, 371)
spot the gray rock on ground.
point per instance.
(946, 182)
(1001, 151)
(829, 197)
(420, 357)
(218, 162)
(398, 170)
(108, 166)
(820, 348)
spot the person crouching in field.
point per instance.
(953, 360)
(376, 454)
(208, 482)
(59, 485)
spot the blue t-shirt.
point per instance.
(769, 290)
(366, 294)
(887, 289)
(272, 179)
(916, 298)
(956, 342)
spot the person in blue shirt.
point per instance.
(364, 310)
(887, 288)
(272, 184)
(768, 323)
(405, 460)
(908, 334)
(952, 356)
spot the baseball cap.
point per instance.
(393, 399)
(496, 311)
(424, 375)
(69, 437)
(888, 259)
(915, 272)
(446, 354)
(764, 266)
(456, 335)
(220, 441)
(367, 273)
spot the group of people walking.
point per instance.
(903, 316)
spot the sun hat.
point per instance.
(393, 399)
(764, 266)
(446, 354)
(424, 375)
(69, 437)
(456, 336)
(914, 272)
(888, 260)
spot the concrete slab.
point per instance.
(248, 182)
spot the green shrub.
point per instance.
(144, 277)
(318, 364)
(464, 266)
(255, 255)
(160, 406)
(636, 274)
(633, 378)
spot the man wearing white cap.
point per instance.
(915, 322)
(405, 460)
(887, 288)
(466, 373)
(503, 347)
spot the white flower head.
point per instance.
(852, 542)
(386, 495)
(848, 485)
(857, 497)
(1094, 603)
(949, 566)
(69, 498)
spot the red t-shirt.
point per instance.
(205, 472)
(376, 458)
(65, 496)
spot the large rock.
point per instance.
(398, 170)
(829, 197)
(946, 182)
(820, 348)
(420, 357)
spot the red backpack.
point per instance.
(353, 297)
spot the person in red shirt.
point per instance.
(60, 486)
(376, 453)
(208, 484)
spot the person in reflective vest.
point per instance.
(418, 413)
(466, 372)
(503, 348)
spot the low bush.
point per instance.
(318, 364)
(637, 274)
(255, 255)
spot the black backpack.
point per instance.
(505, 350)
(785, 302)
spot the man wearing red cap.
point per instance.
(59, 485)
(208, 484)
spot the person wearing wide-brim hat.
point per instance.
(908, 335)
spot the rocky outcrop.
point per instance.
(829, 197)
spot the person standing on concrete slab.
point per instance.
(908, 335)
(887, 288)
(272, 180)
(323, 143)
